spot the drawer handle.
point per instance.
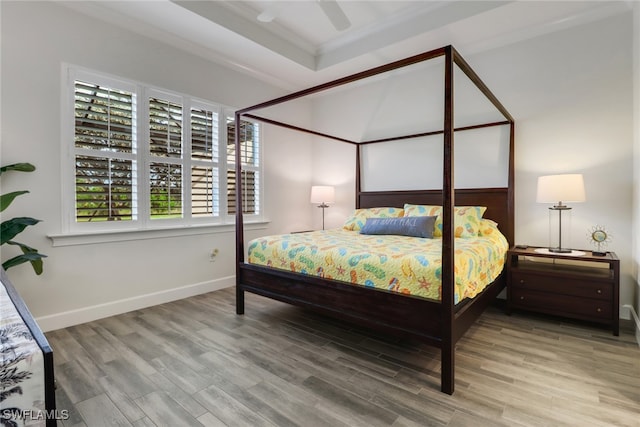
(599, 310)
(599, 291)
(522, 281)
(521, 298)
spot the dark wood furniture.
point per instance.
(582, 287)
(438, 323)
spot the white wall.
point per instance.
(636, 162)
(407, 102)
(334, 164)
(570, 95)
(88, 281)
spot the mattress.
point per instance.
(408, 265)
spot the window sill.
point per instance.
(72, 239)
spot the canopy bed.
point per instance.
(438, 321)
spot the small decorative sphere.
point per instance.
(599, 237)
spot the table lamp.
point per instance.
(559, 189)
(323, 194)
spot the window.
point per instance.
(165, 156)
(105, 146)
(205, 169)
(249, 155)
(144, 157)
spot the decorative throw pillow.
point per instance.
(416, 226)
(466, 218)
(356, 221)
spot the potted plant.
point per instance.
(14, 226)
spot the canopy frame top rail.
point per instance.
(412, 60)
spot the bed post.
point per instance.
(358, 182)
(511, 236)
(448, 201)
(239, 218)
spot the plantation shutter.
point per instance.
(104, 143)
(205, 199)
(249, 156)
(147, 157)
(165, 169)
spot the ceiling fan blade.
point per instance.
(334, 12)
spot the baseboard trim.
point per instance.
(87, 314)
(636, 320)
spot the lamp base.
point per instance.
(560, 254)
(598, 253)
(323, 206)
(560, 250)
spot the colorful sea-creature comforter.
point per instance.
(409, 265)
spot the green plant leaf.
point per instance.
(25, 248)
(12, 227)
(29, 254)
(20, 167)
(33, 257)
(6, 199)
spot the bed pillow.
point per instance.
(421, 210)
(356, 221)
(488, 227)
(466, 218)
(416, 226)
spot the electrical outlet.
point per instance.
(214, 253)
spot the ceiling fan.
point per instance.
(331, 9)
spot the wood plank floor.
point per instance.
(195, 362)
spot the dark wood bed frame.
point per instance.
(438, 323)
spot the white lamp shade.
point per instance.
(323, 194)
(561, 188)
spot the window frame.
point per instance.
(143, 159)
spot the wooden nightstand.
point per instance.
(581, 287)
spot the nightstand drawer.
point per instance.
(562, 286)
(565, 305)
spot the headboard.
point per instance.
(495, 199)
